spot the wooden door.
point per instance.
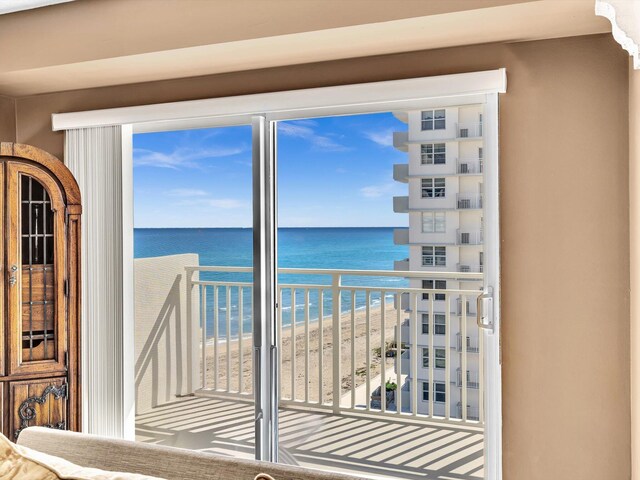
(34, 271)
(38, 402)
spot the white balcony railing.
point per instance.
(470, 346)
(467, 200)
(338, 344)
(473, 412)
(468, 268)
(469, 237)
(470, 380)
(470, 311)
(472, 166)
(468, 130)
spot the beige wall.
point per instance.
(7, 119)
(565, 237)
(634, 225)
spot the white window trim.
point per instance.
(434, 393)
(420, 93)
(433, 256)
(433, 188)
(433, 153)
(433, 217)
(433, 119)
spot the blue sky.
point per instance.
(332, 172)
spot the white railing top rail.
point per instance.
(360, 288)
(351, 273)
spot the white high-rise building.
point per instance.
(444, 203)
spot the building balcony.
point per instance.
(472, 166)
(318, 382)
(470, 310)
(401, 172)
(401, 236)
(467, 237)
(468, 201)
(468, 130)
(401, 204)
(468, 268)
(471, 344)
(473, 413)
(472, 379)
(401, 265)
(400, 140)
(405, 363)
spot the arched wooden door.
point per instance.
(40, 218)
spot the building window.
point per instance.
(434, 285)
(441, 392)
(439, 387)
(434, 256)
(433, 188)
(425, 391)
(441, 359)
(433, 120)
(439, 323)
(434, 222)
(433, 154)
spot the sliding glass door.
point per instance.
(319, 286)
(194, 289)
(380, 247)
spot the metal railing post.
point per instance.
(193, 339)
(337, 339)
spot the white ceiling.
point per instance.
(10, 6)
(86, 60)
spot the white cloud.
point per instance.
(223, 203)
(376, 191)
(180, 157)
(303, 129)
(382, 137)
(186, 192)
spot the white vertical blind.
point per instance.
(94, 156)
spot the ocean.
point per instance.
(311, 248)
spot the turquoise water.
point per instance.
(311, 248)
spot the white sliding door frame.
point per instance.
(262, 111)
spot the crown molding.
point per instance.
(624, 16)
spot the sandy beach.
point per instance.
(307, 385)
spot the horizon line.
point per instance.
(251, 228)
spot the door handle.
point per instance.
(484, 309)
